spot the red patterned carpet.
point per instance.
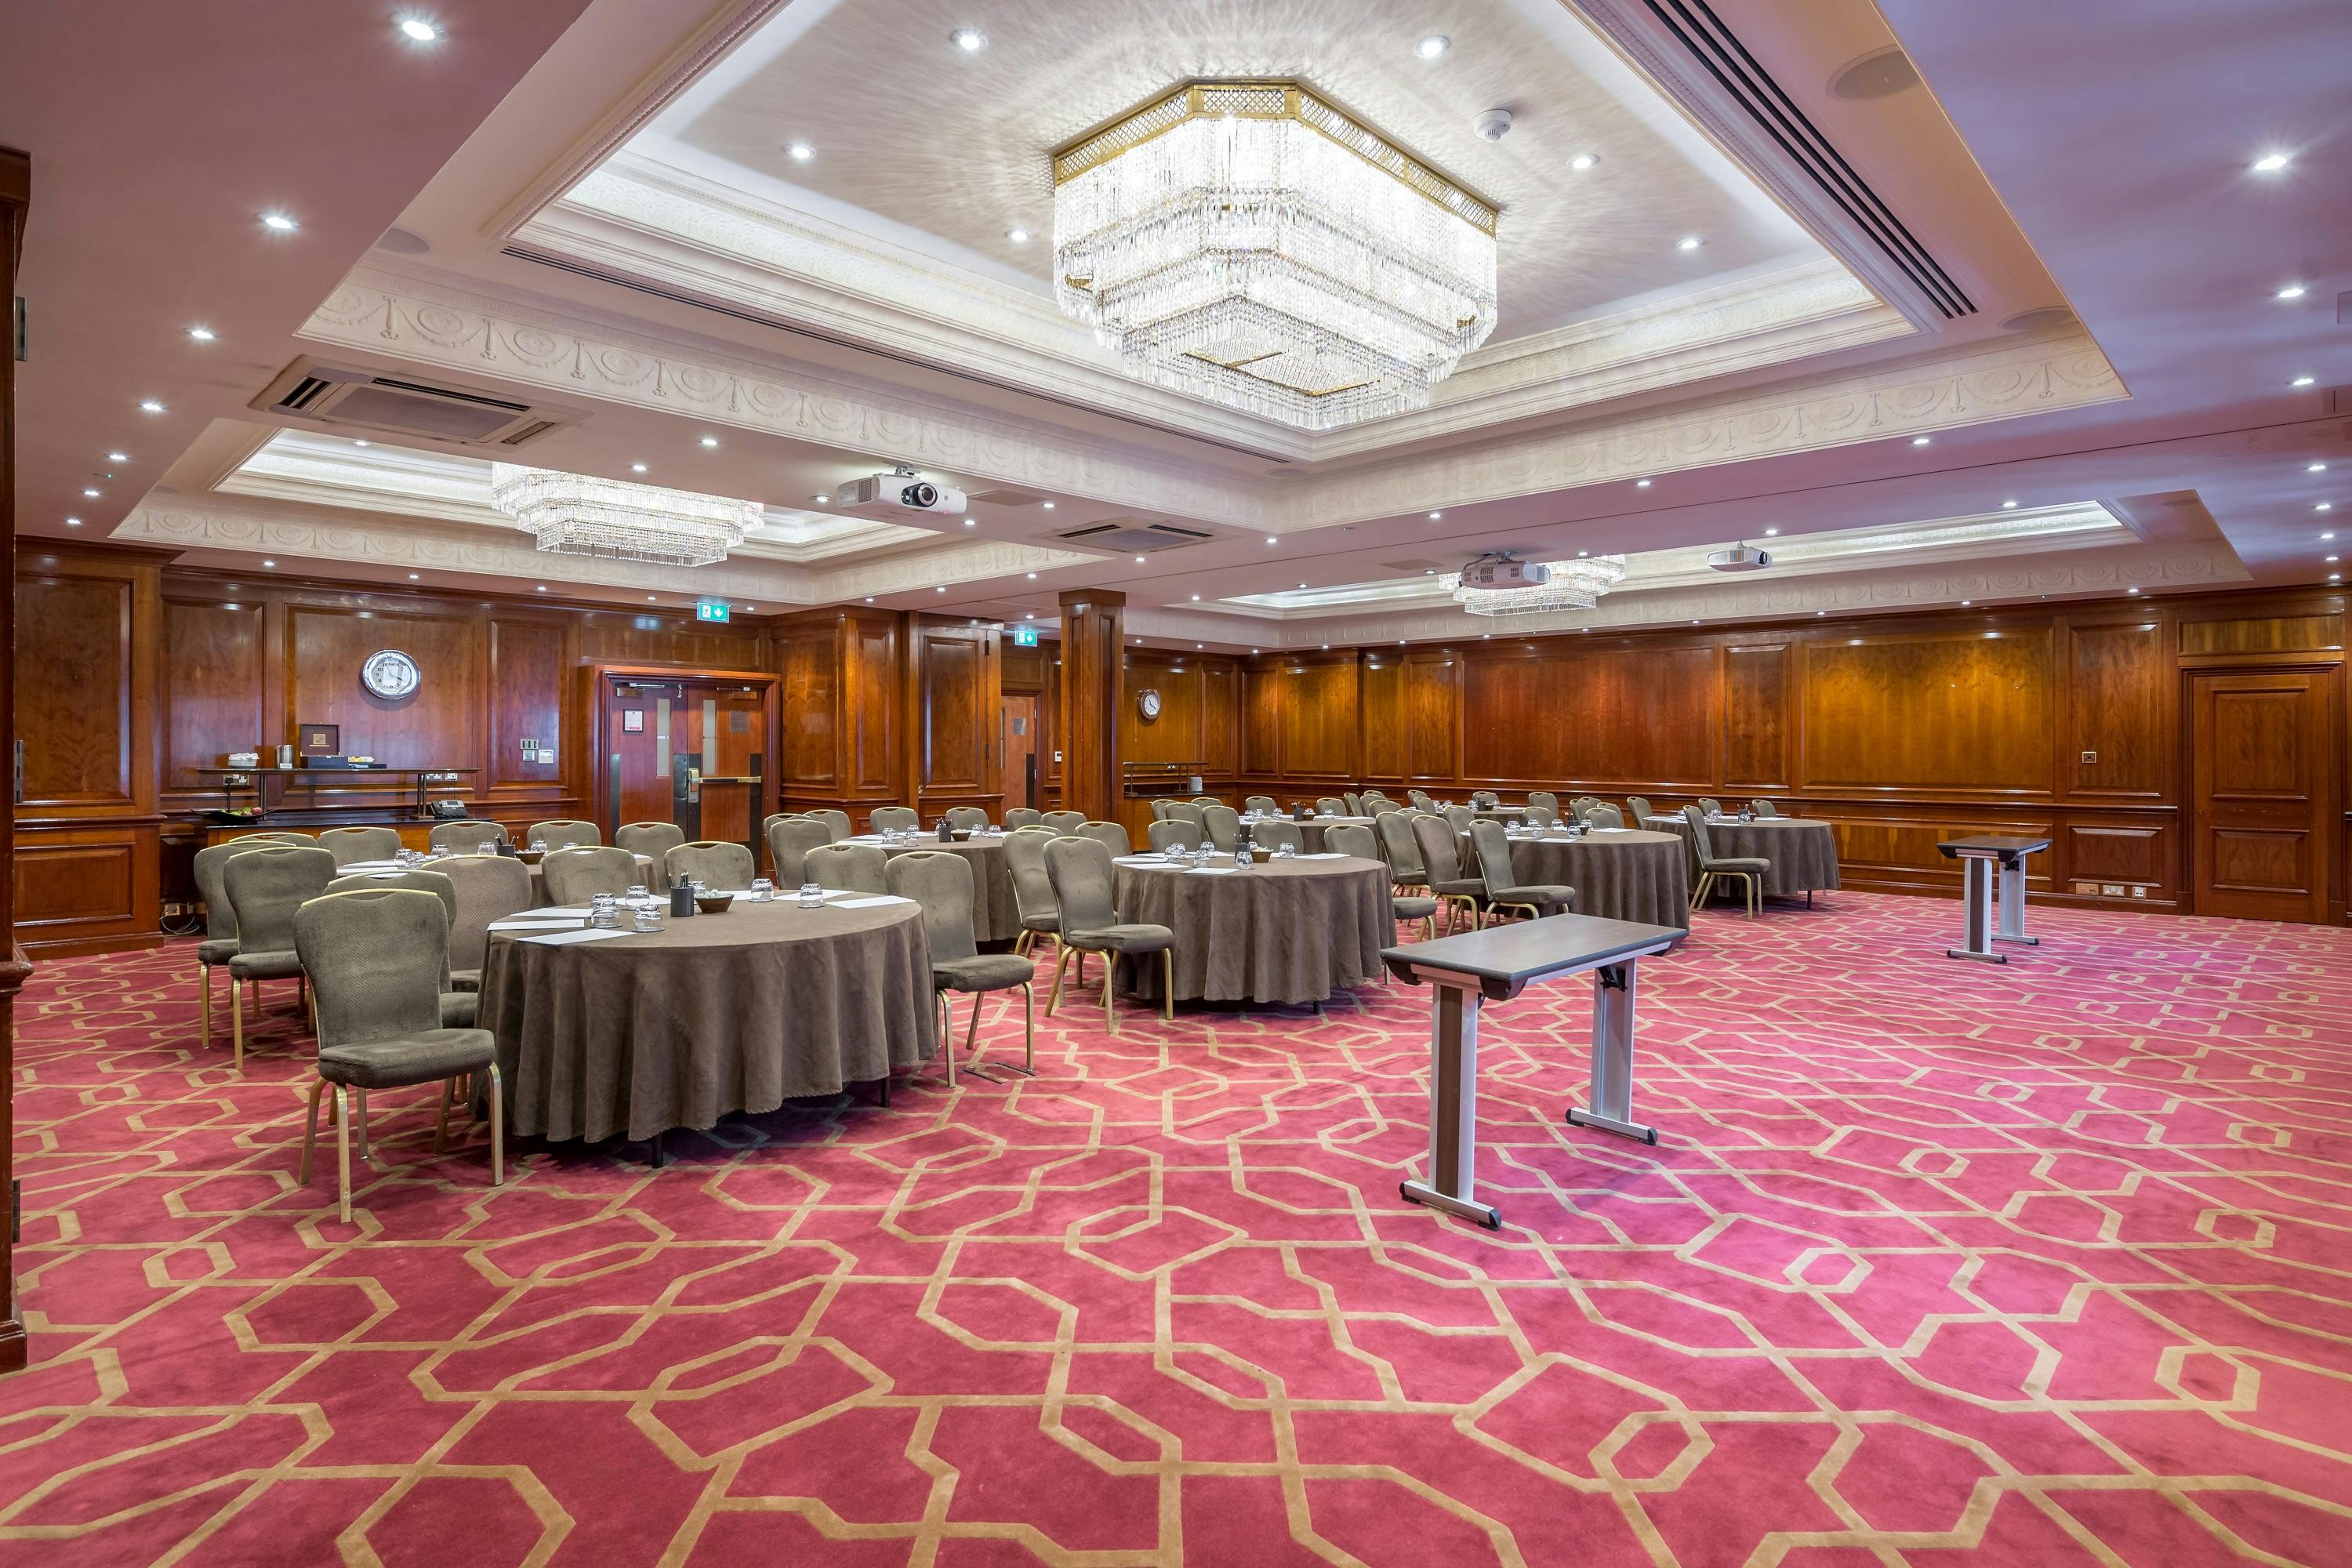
(1937, 1265)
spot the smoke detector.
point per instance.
(1492, 124)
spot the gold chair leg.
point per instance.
(1028, 1026)
(498, 1130)
(441, 1122)
(1054, 999)
(1110, 1001)
(204, 989)
(309, 1133)
(342, 1154)
(947, 1034)
(237, 1018)
(1168, 984)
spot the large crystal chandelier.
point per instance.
(1575, 585)
(1246, 242)
(577, 514)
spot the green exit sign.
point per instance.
(1025, 636)
(711, 610)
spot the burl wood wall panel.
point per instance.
(1965, 712)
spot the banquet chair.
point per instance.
(941, 883)
(350, 844)
(653, 840)
(883, 819)
(1381, 805)
(1502, 892)
(1171, 832)
(562, 833)
(1639, 804)
(1763, 808)
(1485, 800)
(572, 877)
(1033, 889)
(971, 816)
(1353, 838)
(1269, 834)
(1188, 811)
(847, 867)
(1063, 821)
(375, 960)
(466, 835)
(1749, 871)
(1080, 870)
(282, 835)
(714, 863)
(1023, 817)
(1441, 864)
(1708, 805)
(789, 838)
(1331, 806)
(264, 890)
(1543, 805)
(489, 888)
(1353, 802)
(1421, 800)
(1400, 849)
(1206, 800)
(459, 1006)
(1260, 802)
(219, 942)
(1458, 817)
(1111, 836)
(836, 822)
(1604, 815)
(1159, 810)
(1222, 824)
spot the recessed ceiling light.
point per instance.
(278, 223)
(2008, 506)
(820, 500)
(269, 563)
(1584, 161)
(636, 468)
(2324, 506)
(1430, 48)
(941, 589)
(970, 40)
(799, 152)
(125, 457)
(2308, 467)
(1200, 645)
(91, 493)
(1584, 552)
(1689, 242)
(73, 522)
(1921, 441)
(422, 31)
(539, 588)
(972, 522)
(201, 334)
(1302, 585)
(2269, 163)
(362, 443)
(1769, 534)
(2131, 590)
(1435, 515)
(1640, 484)
(2303, 381)
(2329, 534)
(1032, 576)
(1253, 650)
(1018, 235)
(1269, 539)
(1820, 612)
(1139, 561)
(1049, 506)
(870, 598)
(1030, 616)
(710, 440)
(149, 406)
(2292, 291)
(1196, 598)
(649, 598)
(2331, 560)
(412, 577)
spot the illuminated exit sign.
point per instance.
(712, 609)
(1025, 636)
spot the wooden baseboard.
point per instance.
(83, 946)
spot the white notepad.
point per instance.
(871, 901)
(562, 938)
(536, 925)
(1321, 854)
(558, 911)
(1214, 870)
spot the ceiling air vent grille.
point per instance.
(342, 398)
(1132, 535)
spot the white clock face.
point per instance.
(1148, 703)
(389, 674)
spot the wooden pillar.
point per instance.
(15, 191)
(1094, 623)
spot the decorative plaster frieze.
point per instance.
(430, 322)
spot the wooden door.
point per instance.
(644, 723)
(723, 729)
(2262, 796)
(1019, 748)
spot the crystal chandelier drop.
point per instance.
(577, 514)
(1247, 243)
(1575, 585)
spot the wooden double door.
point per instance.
(2265, 793)
(690, 750)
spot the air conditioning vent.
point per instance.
(1133, 535)
(342, 399)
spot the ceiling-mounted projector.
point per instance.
(1502, 572)
(902, 491)
(1740, 558)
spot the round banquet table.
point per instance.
(1803, 852)
(632, 1035)
(995, 914)
(1619, 873)
(1282, 930)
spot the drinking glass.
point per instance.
(539, 845)
(646, 916)
(762, 891)
(636, 894)
(812, 896)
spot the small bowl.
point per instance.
(961, 834)
(713, 903)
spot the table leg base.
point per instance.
(1465, 1208)
(1577, 1117)
(1979, 957)
(2027, 940)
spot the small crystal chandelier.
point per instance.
(577, 514)
(1575, 585)
(1247, 243)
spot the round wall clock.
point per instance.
(1147, 702)
(390, 674)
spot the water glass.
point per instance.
(1175, 852)
(636, 894)
(604, 913)
(812, 896)
(1286, 850)
(645, 916)
(762, 891)
(539, 845)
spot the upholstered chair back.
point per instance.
(1079, 868)
(966, 817)
(350, 844)
(1440, 860)
(941, 883)
(651, 840)
(717, 865)
(266, 886)
(1168, 832)
(1065, 821)
(562, 833)
(489, 888)
(1271, 834)
(466, 835)
(1403, 850)
(1223, 826)
(1023, 817)
(884, 818)
(1112, 836)
(375, 958)
(847, 868)
(789, 838)
(576, 875)
(433, 882)
(1351, 839)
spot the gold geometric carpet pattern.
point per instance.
(1935, 1264)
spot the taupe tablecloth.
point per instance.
(1283, 930)
(995, 914)
(1803, 852)
(739, 1011)
(1618, 874)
